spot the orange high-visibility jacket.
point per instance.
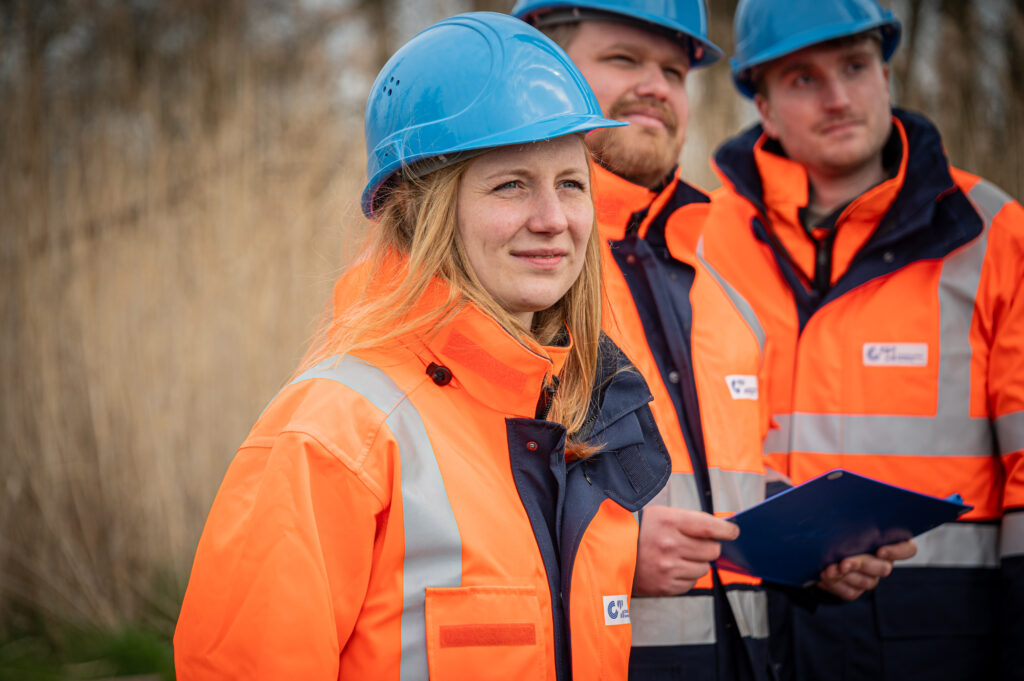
(699, 347)
(404, 511)
(906, 366)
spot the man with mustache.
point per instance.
(890, 287)
(693, 339)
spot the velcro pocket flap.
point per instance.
(487, 632)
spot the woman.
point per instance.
(448, 489)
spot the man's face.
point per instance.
(639, 77)
(829, 106)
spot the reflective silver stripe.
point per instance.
(950, 435)
(733, 491)
(1012, 536)
(690, 620)
(777, 439)
(988, 199)
(1010, 432)
(433, 547)
(682, 620)
(751, 611)
(680, 492)
(738, 301)
(951, 432)
(956, 545)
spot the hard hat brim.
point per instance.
(537, 131)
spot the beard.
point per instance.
(641, 155)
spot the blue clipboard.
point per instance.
(791, 537)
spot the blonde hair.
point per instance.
(417, 220)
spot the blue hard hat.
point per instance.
(468, 83)
(685, 20)
(769, 29)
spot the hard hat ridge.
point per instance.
(468, 83)
(681, 20)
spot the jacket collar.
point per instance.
(484, 358)
(903, 204)
(492, 365)
(616, 200)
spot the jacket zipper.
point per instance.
(547, 397)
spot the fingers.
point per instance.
(676, 549)
(900, 551)
(852, 576)
(668, 577)
(698, 524)
(850, 587)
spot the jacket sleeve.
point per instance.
(278, 577)
(1006, 402)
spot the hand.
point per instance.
(676, 548)
(851, 577)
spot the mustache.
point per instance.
(839, 119)
(627, 104)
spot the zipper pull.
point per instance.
(547, 396)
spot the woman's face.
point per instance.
(524, 216)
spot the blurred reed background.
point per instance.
(179, 186)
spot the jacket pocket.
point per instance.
(487, 632)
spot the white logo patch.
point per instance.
(742, 386)
(895, 354)
(616, 609)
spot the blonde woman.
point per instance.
(446, 488)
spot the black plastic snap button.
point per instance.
(441, 375)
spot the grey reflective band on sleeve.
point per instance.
(964, 545)
(1011, 540)
(1010, 432)
(738, 301)
(951, 431)
(433, 546)
(675, 621)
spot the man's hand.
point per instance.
(676, 548)
(851, 577)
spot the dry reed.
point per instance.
(167, 241)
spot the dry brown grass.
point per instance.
(165, 248)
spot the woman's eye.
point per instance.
(511, 184)
(574, 184)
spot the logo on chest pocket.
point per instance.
(616, 609)
(895, 354)
(742, 386)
